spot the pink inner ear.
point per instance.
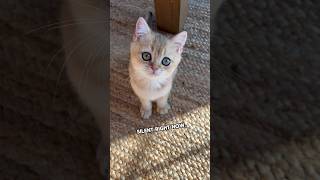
(179, 40)
(179, 47)
(142, 28)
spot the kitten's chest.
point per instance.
(156, 84)
(151, 89)
(153, 85)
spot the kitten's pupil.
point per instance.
(146, 56)
(166, 61)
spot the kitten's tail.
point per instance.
(151, 20)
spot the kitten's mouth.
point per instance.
(154, 73)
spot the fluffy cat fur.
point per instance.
(151, 80)
(85, 46)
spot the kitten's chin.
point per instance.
(154, 74)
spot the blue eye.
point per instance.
(146, 56)
(166, 61)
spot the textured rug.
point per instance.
(175, 153)
(45, 132)
(266, 90)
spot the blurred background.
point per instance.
(266, 90)
(45, 132)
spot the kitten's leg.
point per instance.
(146, 108)
(163, 105)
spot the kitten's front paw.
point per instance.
(163, 110)
(145, 113)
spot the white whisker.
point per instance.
(64, 24)
(66, 61)
(91, 59)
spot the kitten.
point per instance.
(85, 46)
(154, 59)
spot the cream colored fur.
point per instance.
(150, 85)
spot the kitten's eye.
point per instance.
(166, 61)
(146, 56)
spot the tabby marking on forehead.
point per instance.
(158, 44)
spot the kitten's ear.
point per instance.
(142, 29)
(179, 40)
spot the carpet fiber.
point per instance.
(266, 90)
(175, 153)
(45, 132)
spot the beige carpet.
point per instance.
(266, 90)
(176, 153)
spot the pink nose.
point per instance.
(153, 67)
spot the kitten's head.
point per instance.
(153, 54)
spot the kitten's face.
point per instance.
(153, 54)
